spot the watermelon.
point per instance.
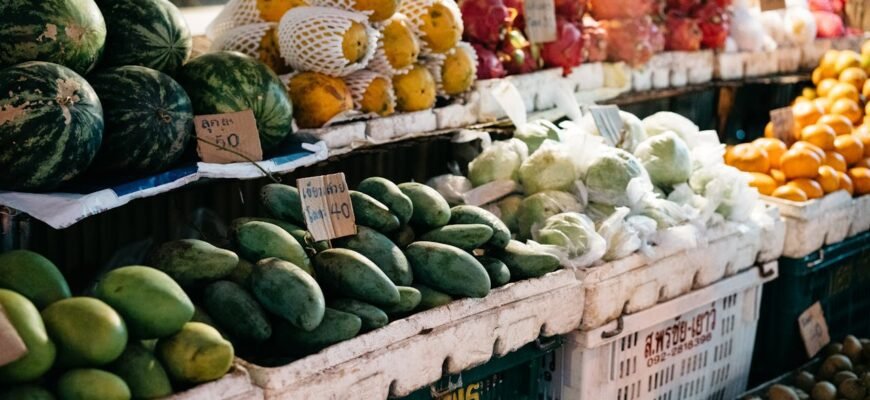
(67, 32)
(228, 81)
(149, 120)
(150, 33)
(51, 125)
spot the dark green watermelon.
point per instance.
(150, 33)
(228, 81)
(148, 118)
(67, 32)
(51, 125)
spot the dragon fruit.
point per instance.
(714, 22)
(657, 37)
(829, 25)
(567, 50)
(621, 9)
(683, 33)
(571, 10)
(682, 6)
(594, 40)
(518, 55)
(630, 39)
(488, 64)
(486, 21)
(518, 8)
(821, 5)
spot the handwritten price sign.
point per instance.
(223, 137)
(327, 207)
(814, 329)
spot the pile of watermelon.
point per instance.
(103, 89)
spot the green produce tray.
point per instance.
(838, 276)
(512, 377)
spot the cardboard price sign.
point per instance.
(609, 123)
(814, 329)
(326, 206)
(782, 120)
(540, 18)
(767, 5)
(11, 346)
(222, 137)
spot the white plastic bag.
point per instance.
(572, 238)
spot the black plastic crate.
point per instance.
(837, 276)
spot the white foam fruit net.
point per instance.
(416, 9)
(435, 64)
(236, 13)
(359, 82)
(248, 39)
(310, 39)
(346, 5)
(380, 63)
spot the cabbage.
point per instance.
(630, 136)
(666, 158)
(571, 236)
(451, 187)
(535, 209)
(608, 176)
(501, 161)
(726, 188)
(508, 208)
(549, 168)
(599, 211)
(534, 133)
(664, 121)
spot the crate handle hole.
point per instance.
(662, 292)
(620, 324)
(495, 346)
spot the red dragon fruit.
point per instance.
(488, 64)
(567, 50)
(621, 9)
(486, 21)
(657, 37)
(629, 40)
(572, 10)
(518, 55)
(829, 25)
(683, 33)
(723, 3)
(821, 5)
(715, 23)
(594, 40)
(683, 6)
(517, 7)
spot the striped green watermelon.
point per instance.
(148, 118)
(151, 33)
(226, 82)
(51, 125)
(67, 32)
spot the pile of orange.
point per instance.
(831, 136)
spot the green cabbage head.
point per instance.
(666, 158)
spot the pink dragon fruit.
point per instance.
(518, 55)
(829, 25)
(683, 33)
(715, 23)
(594, 40)
(572, 10)
(630, 39)
(621, 9)
(682, 6)
(488, 64)
(517, 7)
(567, 50)
(486, 21)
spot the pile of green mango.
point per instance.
(844, 373)
(278, 289)
(133, 338)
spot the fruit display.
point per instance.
(829, 148)
(133, 338)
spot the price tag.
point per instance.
(814, 329)
(540, 20)
(11, 346)
(772, 5)
(222, 137)
(608, 122)
(782, 120)
(327, 207)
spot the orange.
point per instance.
(800, 163)
(854, 76)
(864, 163)
(860, 180)
(806, 113)
(865, 47)
(863, 134)
(843, 91)
(763, 182)
(848, 108)
(778, 177)
(828, 179)
(801, 98)
(819, 135)
(747, 157)
(847, 59)
(850, 147)
(775, 148)
(841, 124)
(828, 64)
(835, 160)
(845, 182)
(810, 187)
(817, 76)
(865, 90)
(824, 103)
(809, 93)
(801, 145)
(792, 193)
(824, 87)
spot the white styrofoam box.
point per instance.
(695, 347)
(587, 76)
(811, 53)
(772, 236)
(638, 282)
(617, 76)
(679, 77)
(861, 218)
(413, 352)
(729, 65)
(235, 385)
(547, 93)
(530, 85)
(760, 63)
(459, 114)
(661, 66)
(641, 78)
(815, 223)
(337, 136)
(385, 129)
(701, 71)
(527, 86)
(788, 59)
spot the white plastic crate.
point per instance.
(695, 347)
(788, 59)
(861, 218)
(729, 65)
(815, 223)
